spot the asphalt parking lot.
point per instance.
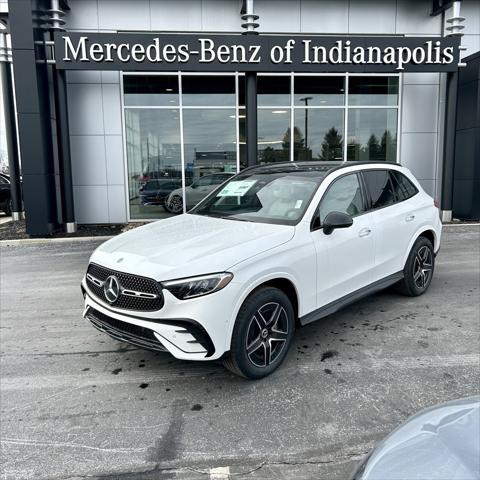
(75, 403)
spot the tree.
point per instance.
(331, 145)
(299, 150)
(388, 146)
(373, 149)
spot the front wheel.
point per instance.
(174, 204)
(418, 271)
(262, 334)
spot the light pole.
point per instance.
(306, 99)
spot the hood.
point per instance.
(439, 443)
(189, 245)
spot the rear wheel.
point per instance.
(418, 271)
(262, 334)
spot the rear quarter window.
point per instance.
(402, 186)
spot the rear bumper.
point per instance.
(184, 338)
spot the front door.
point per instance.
(345, 258)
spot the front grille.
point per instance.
(125, 332)
(127, 282)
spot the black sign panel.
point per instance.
(262, 53)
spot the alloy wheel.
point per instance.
(423, 267)
(267, 334)
(175, 205)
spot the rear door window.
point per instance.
(379, 188)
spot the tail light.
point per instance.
(436, 203)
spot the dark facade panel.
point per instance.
(33, 112)
(466, 187)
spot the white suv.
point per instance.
(275, 247)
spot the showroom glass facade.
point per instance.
(185, 133)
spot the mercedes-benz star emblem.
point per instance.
(111, 289)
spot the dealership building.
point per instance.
(134, 110)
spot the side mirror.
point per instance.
(336, 220)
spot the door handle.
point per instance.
(409, 218)
(364, 232)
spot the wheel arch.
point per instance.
(283, 282)
(427, 232)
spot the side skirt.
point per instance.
(336, 305)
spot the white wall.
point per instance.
(94, 97)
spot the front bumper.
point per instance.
(170, 329)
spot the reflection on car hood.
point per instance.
(442, 442)
(189, 245)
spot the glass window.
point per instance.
(154, 159)
(273, 135)
(373, 90)
(150, 90)
(271, 90)
(318, 134)
(208, 90)
(372, 134)
(319, 91)
(209, 148)
(379, 188)
(402, 186)
(344, 195)
(271, 196)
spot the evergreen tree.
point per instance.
(331, 146)
(299, 150)
(388, 146)
(373, 149)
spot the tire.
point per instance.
(175, 205)
(418, 270)
(265, 323)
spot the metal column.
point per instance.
(251, 120)
(10, 127)
(449, 146)
(63, 131)
(454, 27)
(63, 138)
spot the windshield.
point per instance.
(270, 196)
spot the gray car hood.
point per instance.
(440, 443)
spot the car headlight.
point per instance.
(185, 288)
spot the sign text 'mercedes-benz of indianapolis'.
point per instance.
(132, 51)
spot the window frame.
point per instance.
(316, 215)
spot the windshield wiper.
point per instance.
(238, 219)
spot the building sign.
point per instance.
(269, 53)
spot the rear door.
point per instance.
(345, 258)
(394, 217)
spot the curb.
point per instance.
(40, 241)
(476, 224)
